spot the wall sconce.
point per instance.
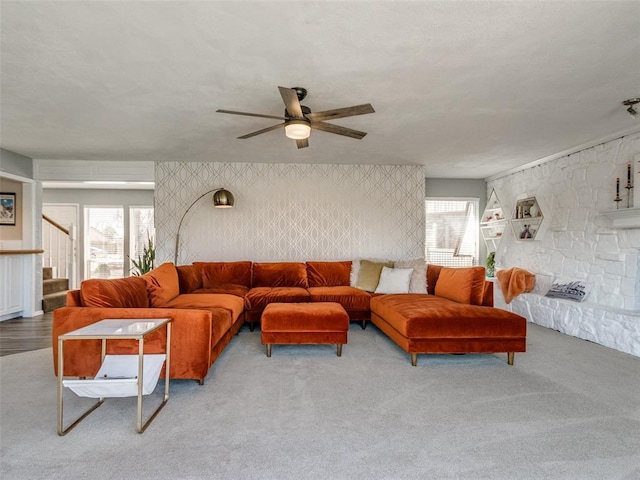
(221, 199)
(631, 103)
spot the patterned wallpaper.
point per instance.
(290, 212)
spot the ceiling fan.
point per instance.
(299, 119)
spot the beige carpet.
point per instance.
(568, 409)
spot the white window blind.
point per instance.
(104, 242)
(140, 231)
(451, 232)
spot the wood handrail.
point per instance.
(55, 224)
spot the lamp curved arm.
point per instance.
(175, 257)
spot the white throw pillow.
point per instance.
(418, 282)
(394, 280)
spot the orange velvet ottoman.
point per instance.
(304, 324)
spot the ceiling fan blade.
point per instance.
(302, 143)
(251, 114)
(341, 112)
(347, 132)
(264, 130)
(290, 98)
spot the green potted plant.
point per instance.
(144, 264)
(490, 264)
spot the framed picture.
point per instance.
(7, 208)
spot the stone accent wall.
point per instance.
(579, 244)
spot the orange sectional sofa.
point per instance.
(210, 301)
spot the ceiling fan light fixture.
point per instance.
(297, 129)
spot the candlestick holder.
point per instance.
(617, 200)
(629, 187)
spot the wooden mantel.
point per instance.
(623, 218)
(21, 252)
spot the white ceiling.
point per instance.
(468, 89)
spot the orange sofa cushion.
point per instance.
(328, 274)
(162, 284)
(224, 273)
(351, 298)
(280, 274)
(128, 292)
(462, 285)
(226, 288)
(259, 297)
(231, 303)
(189, 278)
(428, 316)
(433, 272)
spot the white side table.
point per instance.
(116, 378)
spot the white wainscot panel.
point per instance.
(10, 290)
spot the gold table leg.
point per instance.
(140, 428)
(61, 430)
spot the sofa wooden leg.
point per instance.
(251, 327)
(339, 349)
(510, 357)
(201, 381)
(364, 324)
(268, 349)
(414, 359)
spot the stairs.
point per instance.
(54, 290)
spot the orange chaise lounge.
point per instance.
(456, 316)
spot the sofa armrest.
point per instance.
(190, 340)
(73, 298)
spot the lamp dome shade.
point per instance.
(223, 199)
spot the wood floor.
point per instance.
(25, 334)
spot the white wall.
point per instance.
(287, 212)
(580, 244)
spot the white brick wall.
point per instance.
(579, 244)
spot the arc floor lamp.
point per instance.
(222, 198)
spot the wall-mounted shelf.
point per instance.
(492, 223)
(527, 220)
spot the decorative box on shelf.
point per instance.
(528, 219)
(492, 223)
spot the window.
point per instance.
(451, 232)
(104, 242)
(140, 231)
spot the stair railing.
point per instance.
(59, 244)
